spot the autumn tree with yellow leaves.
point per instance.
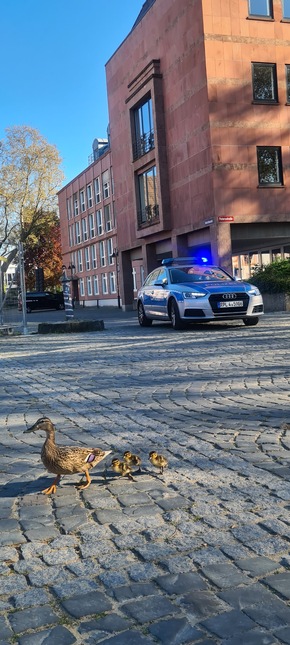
(30, 176)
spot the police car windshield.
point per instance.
(198, 274)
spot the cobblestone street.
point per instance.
(198, 555)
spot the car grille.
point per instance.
(194, 313)
(224, 313)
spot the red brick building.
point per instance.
(199, 109)
(88, 231)
(199, 106)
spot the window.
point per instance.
(288, 83)
(110, 250)
(134, 279)
(97, 190)
(112, 279)
(68, 208)
(85, 229)
(142, 275)
(82, 200)
(89, 285)
(104, 283)
(106, 184)
(264, 77)
(102, 254)
(87, 258)
(262, 8)
(94, 256)
(76, 204)
(286, 9)
(89, 196)
(269, 166)
(108, 218)
(143, 135)
(71, 235)
(148, 212)
(82, 287)
(99, 217)
(78, 233)
(80, 260)
(92, 225)
(96, 285)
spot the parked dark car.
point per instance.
(41, 300)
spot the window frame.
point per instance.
(97, 190)
(287, 70)
(108, 222)
(263, 16)
(274, 83)
(90, 200)
(82, 200)
(99, 222)
(106, 183)
(87, 258)
(263, 184)
(283, 11)
(102, 250)
(104, 277)
(96, 287)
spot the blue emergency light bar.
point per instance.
(184, 261)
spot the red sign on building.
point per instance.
(226, 218)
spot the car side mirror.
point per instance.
(161, 283)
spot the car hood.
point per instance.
(215, 287)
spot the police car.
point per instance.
(182, 291)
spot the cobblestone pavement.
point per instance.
(199, 555)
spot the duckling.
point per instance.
(159, 461)
(132, 460)
(64, 460)
(122, 469)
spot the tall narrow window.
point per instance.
(92, 225)
(82, 200)
(87, 258)
(106, 184)
(82, 287)
(99, 217)
(104, 283)
(80, 260)
(94, 255)
(89, 285)
(78, 233)
(89, 196)
(269, 166)
(263, 8)
(68, 208)
(110, 250)
(97, 190)
(102, 254)
(108, 218)
(264, 82)
(148, 212)
(286, 9)
(143, 136)
(76, 204)
(85, 229)
(96, 285)
(112, 279)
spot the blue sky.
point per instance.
(53, 55)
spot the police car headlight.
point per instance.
(254, 291)
(193, 294)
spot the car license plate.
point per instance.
(230, 303)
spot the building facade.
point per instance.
(199, 110)
(88, 231)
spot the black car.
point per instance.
(41, 300)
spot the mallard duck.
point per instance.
(65, 460)
(132, 460)
(122, 469)
(159, 461)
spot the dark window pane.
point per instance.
(260, 8)
(286, 8)
(143, 136)
(148, 200)
(269, 165)
(264, 82)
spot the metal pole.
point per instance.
(22, 287)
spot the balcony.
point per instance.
(148, 216)
(143, 144)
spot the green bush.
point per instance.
(274, 278)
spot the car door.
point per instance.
(160, 294)
(148, 293)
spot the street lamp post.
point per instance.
(115, 255)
